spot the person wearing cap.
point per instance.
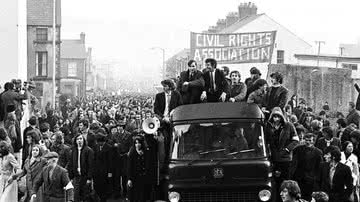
(216, 87)
(57, 185)
(121, 141)
(191, 83)
(104, 157)
(258, 94)
(249, 82)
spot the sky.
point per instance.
(126, 31)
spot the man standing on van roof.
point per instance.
(277, 94)
(216, 85)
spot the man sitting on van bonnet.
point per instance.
(282, 137)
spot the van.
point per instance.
(218, 153)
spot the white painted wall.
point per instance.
(13, 40)
(285, 40)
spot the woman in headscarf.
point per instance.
(33, 167)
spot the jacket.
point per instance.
(191, 93)
(279, 99)
(342, 182)
(282, 146)
(86, 163)
(159, 105)
(54, 187)
(238, 92)
(353, 117)
(220, 82)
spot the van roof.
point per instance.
(219, 110)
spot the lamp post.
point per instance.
(163, 57)
(54, 55)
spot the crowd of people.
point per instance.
(96, 148)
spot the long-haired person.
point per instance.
(81, 167)
(33, 167)
(237, 88)
(139, 171)
(8, 165)
(290, 191)
(350, 159)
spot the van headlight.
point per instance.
(264, 195)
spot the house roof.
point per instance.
(240, 23)
(326, 56)
(40, 12)
(73, 49)
(246, 20)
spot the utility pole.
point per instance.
(342, 51)
(322, 71)
(54, 55)
(319, 46)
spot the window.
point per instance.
(41, 63)
(350, 66)
(72, 69)
(280, 57)
(41, 34)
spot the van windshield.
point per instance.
(227, 140)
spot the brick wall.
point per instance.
(336, 87)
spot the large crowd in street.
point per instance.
(95, 147)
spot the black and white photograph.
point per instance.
(179, 101)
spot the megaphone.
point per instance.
(151, 125)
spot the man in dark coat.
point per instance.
(336, 179)
(81, 170)
(358, 98)
(103, 166)
(164, 103)
(282, 139)
(277, 94)
(167, 100)
(56, 182)
(216, 86)
(255, 74)
(10, 97)
(353, 116)
(190, 84)
(305, 166)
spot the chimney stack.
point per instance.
(221, 24)
(82, 37)
(231, 18)
(247, 9)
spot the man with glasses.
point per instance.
(191, 83)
